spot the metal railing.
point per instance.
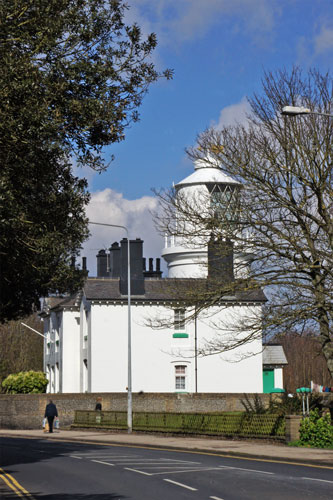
(223, 424)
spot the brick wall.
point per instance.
(26, 411)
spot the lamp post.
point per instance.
(129, 335)
(36, 331)
(301, 110)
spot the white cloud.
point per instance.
(84, 172)
(234, 114)
(184, 20)
(111, 207)
(324, 40)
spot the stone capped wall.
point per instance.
(26, 411)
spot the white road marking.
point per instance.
(100, 462)
(181, 484)
(74, 456)
(167, 467)
(146, 465)
(142, 460)
(138, 471)
(315, 479)
(180, 461)
(216, 498)
(154, 462)
(246, 470)
(184, 470)
(104, 455)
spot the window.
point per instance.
(48, 376)
(224, 199)
(179, 319)
(180, 380)
(85, 375)
(57, 385)
(52, 379)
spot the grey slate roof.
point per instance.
(49, 303)
(70, 301)
(274, 355)
(160, 289)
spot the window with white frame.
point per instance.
(48, 343)
(180, 377)
(85, 328)
(48, 376)
(179, 319)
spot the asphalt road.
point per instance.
(49, 470)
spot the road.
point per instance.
(50, 470)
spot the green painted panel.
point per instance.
(268, 379)
(180, 335)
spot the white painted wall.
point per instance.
(155, 354)
(70, 348)
(278, 378)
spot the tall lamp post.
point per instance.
(129, 335)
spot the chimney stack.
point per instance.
(220, 261)
(137, 281)
(151, 273)
(102, 264)
(115, 261)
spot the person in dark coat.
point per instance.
(98, 406)
(50, 413)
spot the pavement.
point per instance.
(256, 450)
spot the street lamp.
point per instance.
(36, 331)
(129, 337)
(301, 110)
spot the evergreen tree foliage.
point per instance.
(73, 76)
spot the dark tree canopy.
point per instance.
(79, 72)
(72, 78)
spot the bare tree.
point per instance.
(280, 214)
(21, 349)
(305, 361)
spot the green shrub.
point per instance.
(254, 407)
(316, 431)
(282, 404)
(25, 383)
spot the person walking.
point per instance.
(98, 406)
(50, 413)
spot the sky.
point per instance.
(219, 50)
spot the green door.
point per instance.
(268, 379)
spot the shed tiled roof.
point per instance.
(274, 355)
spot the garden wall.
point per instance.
(26, 411)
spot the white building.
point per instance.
(86, 346)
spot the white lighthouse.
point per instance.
(207, 189)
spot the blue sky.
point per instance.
(218, 50)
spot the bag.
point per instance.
(45, 425)
(56, 423)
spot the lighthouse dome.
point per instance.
(206, 173)
(207, 188)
